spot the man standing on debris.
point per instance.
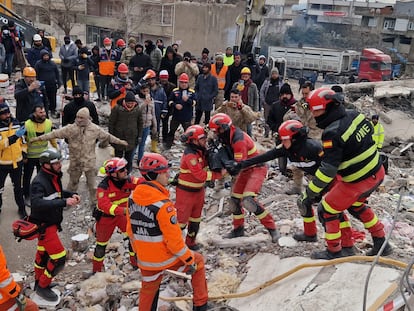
(206, 89)
(112, 197)
(156, 236)
(194, 173)
(11, 294)
(350, 153)
(47, 202)
(71, 109)
(249, 182)
(378, 135)
(82, 136)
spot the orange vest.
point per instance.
(149, 210)
(8, 287)
(221, 77)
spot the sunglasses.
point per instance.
(122, 169)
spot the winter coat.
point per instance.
(160, 100)
(25, 100)
(148, 114)
(126, 55)
(169, 65)
(186, 113)
(265, 88)
(48, 71)
(262, 75)
(126, 125)
(11, 147)
(82, 141)
(155, 56)
(68, 55)
(83, 74)
(139, 60)
(2, 53)
(240, 118)
(190, 69)
(33, 54)
(252, 96)
(277, 113)
(232, 76)
(206, 90)
(8, 44)
(71, 109)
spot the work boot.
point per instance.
(235, 233)
(325, 254)
(274, 233)
(293, 190)
(204, 307)
(194, 247)
(348, 251)
(377, 245)
(154, 146)
(47, 293)
(302, 237)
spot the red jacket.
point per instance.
(242, 144)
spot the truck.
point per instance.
(336, 66)
(374, 65)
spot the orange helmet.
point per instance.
(123, 68)
(320, 98)
(107, 41)
(220, 120)
(120, 43)
(29, 72)
(194, 132)
(153, 163)
(183, 78)
(115, 165)
(150, 74)
(290, 128)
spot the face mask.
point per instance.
(78, 100)
(67, 41)
(107, 47)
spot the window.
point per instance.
(109, 10)
(410, 26)
(389, 24)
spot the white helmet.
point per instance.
(37, 37)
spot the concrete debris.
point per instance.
(222, 282)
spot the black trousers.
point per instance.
(51, 96)
(199, 114)
(16, 178)
(28, 169)
(173, 128)
(127, 155)
(105, 82)
(65, 73)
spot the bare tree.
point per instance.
(63, 13)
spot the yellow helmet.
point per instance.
(245, 70)
(29, 72)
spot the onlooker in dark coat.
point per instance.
(45, 41)
(206, 90)
(233, 74)
(95, 58)
(139, 63)
(78, 102)
(154, 53)
(68, 53)
(168, 62)
(48, 72)
(281, 107)
(33, 54)
(83, 66)
(263, 72)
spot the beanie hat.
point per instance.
(83, 50)
(262, 56)
(205, 51)
(130, 97)
(83, 112)
(66, 38)
(187, 54)
(237, 53)
(164, 74)
(132, 40)
(139, 45)
(219, 56)
(4, 108)
(285, 89)
(275, 70)
(44, 52)
(375, 117)
(77, 90)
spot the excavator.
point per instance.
(249, 26)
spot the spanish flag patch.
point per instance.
(327, 144)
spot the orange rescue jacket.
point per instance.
(8, 287)
(153, 228)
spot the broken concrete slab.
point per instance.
(341, 285)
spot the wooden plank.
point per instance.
(383, 297)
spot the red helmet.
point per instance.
(220, 120)
(115, 165)
(193, 132)
(183, 77)
(120, 43)
(153, 163)
(107, 41)
(122, 68)
(318, 99)
(150, 74)
(290, 128)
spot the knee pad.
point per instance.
(193, 228)
(356, 211)
(250, 204)
(234, 204)
(59, 265)
(100, 251)
(325, 217)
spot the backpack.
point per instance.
(23, 229)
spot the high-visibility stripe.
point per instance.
(112, 209)
(52, 196)
(184, 171)
(48, 275)
(164, 263)
(37, 266)
(314, 188)
(371, 223)
(357, 204)
(359, 158)
(132, 254)
(238, 156)
(362, 172)
(190, 184)
(237, 195)
(209, 175)
(151, 278)
(249, 194)
(41, 248)
(332, 236)
(99, 258)
(182, 226)
(241, 216)
(262, 215)
(345, 224)
(251, 151)
(13, 307)
(328, 208)
(192, 219)
(321, 176)
(6, 282)
(147, 238)
(309, 219)
(102, 243)
(58, 255)
(352, 128)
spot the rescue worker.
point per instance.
(38, 124)
(120, 85)
(47, 202)
(305, 154)
(378, 135)
(108, 59)
(81, 137)
(12, 152)
(156, 236)
(350, 153)
(248, 183)
(112, 197)
(240, 114)
(120, 47)
(182, 100)
(194, 173)
(11, 294)
(219, 70)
